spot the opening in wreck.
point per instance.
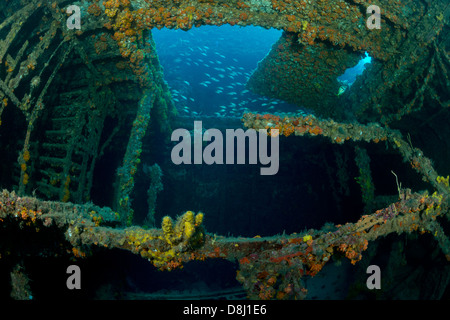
(350, 74)
(86, 118)
(207, 69)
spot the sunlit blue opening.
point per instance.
(207, 68)
(350, 74)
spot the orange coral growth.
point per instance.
(26, 156)
(290, 18)
(315, 126)
(288, 129)
(78, 253)
(94, 10)
(315, 130)
(25, 179)
(243, 16)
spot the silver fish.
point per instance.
(342, 89)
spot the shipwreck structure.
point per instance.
(79, 108)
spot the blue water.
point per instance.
(350, 74)
(207, 69)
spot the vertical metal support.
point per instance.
(131, 160)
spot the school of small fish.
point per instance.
(204, 81)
